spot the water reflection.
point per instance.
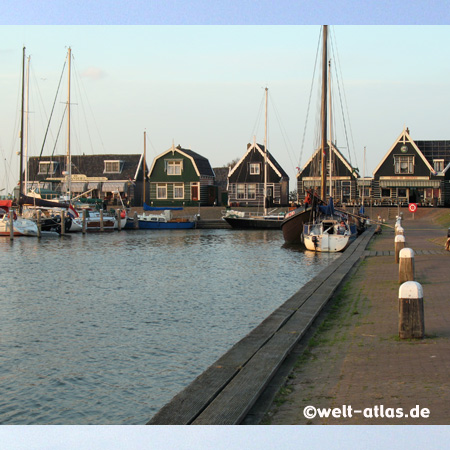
(106, 328)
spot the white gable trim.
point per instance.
(173, 149)
(254, 145)
(404, 137)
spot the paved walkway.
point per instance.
(356, 358)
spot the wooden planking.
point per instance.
(225, 392)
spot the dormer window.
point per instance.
(113, 166)
(255, 168)
(47, 167)
(438, 165)
(174, 167)
(404, 165)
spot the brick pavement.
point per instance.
(357, 359)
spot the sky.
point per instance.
(193, 73)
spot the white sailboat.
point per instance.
(330, 231)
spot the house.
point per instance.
(221, 181)
(97, 176)
(413, 172)
(344, 178)
(181, 177)
(246, 180)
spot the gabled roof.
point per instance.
(200, 163)
(337, 153)
(270, 160)
(91, 165)
(405, 138)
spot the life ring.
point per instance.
(123, 214)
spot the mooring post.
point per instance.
(101, 220)
(135, 220)
(39, 223)
(11, 224)
(63, 222)
(400, 231)
(406, 265)
(411, 322)
(83, 228)
(399, 245)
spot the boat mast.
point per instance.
(330, 152)
(69, 159)
(265, 157)
(27, 106)
(21, 127)
(323, 182)
(143, 170)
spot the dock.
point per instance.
(227, 390)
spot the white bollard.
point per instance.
(399, 245)
(411, 323)
(406, 265)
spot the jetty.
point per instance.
(240, 387)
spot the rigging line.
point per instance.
(283, 132)
(346, 104)
(309, 101)
(83, 90)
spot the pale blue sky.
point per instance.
(202, 86)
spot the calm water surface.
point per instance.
(107, 328)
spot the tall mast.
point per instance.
(323, 181)
(69, 158)
(21, 126)
(330, 152)
(27, 107)
(143, 170)
(265, 157)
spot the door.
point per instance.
(194, 193)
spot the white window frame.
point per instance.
(240, 191)
(438, 165)
(178, 186)
(251, 191)
(399, 164)
(255, 168)
(47, 167)
(112, 166)
(161, 191)
(174, 167)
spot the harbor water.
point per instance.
(106, 328)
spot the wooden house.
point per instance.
(181, 177)
(413, 172)
(246, 180)
(344, 178)
(97, 176)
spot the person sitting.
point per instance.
(342, 228)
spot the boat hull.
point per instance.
(244, 223)
(150, 225)
(329, 243)
(292, 225)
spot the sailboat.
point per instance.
(241, 220)
(330, 230)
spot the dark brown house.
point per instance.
(413, 172)
(93, 176)
(246, 180)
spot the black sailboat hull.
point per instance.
(292, 225)
(243, 223)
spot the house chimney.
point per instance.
(407, 130)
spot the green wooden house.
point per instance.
(181, 177)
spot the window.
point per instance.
(240, 191)
(438, 165)
(112, 167)
(174, 167)
(161, 191)
(47, 167)
(255, 168)
(251, 191)
(401, 192)
(404, 165)
(178, 190)
(385, 192)
(366, 192)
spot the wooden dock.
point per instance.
(227, 390)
